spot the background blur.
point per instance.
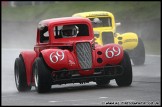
(20, 19)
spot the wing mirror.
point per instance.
(118, 24)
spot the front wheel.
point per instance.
(126, 78)
(138, 54)
(20, 75)
(42, 76)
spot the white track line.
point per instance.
(77, 100)
(153, 55)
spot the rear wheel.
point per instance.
(20, 75)
(138, 54)
(42, 76)
(126, 78)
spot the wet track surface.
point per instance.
(145, 88)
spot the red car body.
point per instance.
(70, 60)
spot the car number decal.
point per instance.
(56, 56)
(115, 51)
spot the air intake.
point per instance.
(84, 55)
(107, 37)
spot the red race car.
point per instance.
(65, 52)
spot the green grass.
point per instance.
(135, 11)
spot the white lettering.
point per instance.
(114, 52)
(55, 57)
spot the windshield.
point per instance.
(101, 22)
(71, 30)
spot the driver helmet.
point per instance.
(97, 20)
(69, 31)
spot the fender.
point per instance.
(28, 57)
(127, 40)
(58, 59)
(110, 54)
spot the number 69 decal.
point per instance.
(56, 56)
(115, 51)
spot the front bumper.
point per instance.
(72, 76)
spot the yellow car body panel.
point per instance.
(95, 14)
(129, 40)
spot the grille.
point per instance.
(107, 37)
(84, 55)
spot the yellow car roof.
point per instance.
(93, 14)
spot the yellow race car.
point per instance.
(104, 28)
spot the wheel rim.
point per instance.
(16, 76)
(36, 76)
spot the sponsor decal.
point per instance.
(71, 62)
(130, 40)
(115, 51)
(56, 56)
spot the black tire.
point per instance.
(138, 54)
(126, 78)
(102, 82)
(42, 76)
(20, 75)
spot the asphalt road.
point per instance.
(145, 88)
